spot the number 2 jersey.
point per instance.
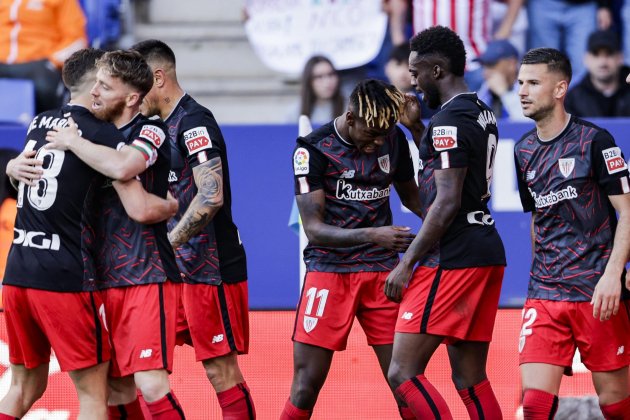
(463, 134)
(565, 182)
(216, 254)
(357, 187)
(46, 250)
(125, 252)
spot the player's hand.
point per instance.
(63, 138)
(396, 238)
(25, 168)
(411, 112)
(606, 297)
(397, 281)
(173, 204)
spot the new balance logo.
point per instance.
(407, 315)
(146, 353)
(217, 338)
(620, 350)
(530, 175)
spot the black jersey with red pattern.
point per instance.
(216, 254)
(426, 184)
(46, 250)
(464, 134)
(126, 252)
(565, 182)
(357, 187)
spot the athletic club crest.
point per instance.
(566, 166)
(310, 323)
(383, 163)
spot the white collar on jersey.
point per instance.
(339, 135)
(462, 93)
(560, 132)
(175, 107)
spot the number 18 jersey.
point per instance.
(46, 250)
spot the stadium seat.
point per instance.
(17, 101)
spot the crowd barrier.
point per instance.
(355, 388)
(262, 190)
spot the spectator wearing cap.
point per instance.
(499, 89)
(602, 92)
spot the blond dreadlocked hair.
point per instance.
(377, 102)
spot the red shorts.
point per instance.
(68, 322)
(141, 321)
(552, 330)
(217, 318)
(459, 304)
(330, 301)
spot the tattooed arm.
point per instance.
(209, 199)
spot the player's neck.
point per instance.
(455, 86)
(553, 125)
(170, 99)
(127, 115)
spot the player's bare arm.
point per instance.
(449, 184)
(209, 199)
(607, 293)
(121, 164)
(409, 196)
(24, 168)
(142, 206)
(311, 206)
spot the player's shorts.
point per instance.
(70, 323)
(217, 317)
(459, 304)
(141, 321)
(552, 330)
(330, 301)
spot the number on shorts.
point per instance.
(530, 315)
(313, 294)
(42, 195)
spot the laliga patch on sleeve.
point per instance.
(300, 161)
(614, 160)
(153, 134)
(197, 139)
(444, 137)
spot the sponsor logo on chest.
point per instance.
(444, 137)
(197, 139)
(345, 191)
(614, 161)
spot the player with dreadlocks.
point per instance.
(453, 294)
(343, 174)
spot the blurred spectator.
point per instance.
(397, 71)
(602, 91)
(565, 26)
(321, 98)
(472, 21)
(509, 21)
(36, 37)
(500, 87)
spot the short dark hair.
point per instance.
(441, 41)
(130, 67)
(155, 50)
(377, 102)
(400, 53)
(555, 60)
(78, 65)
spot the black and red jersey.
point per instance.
(463, 134)
(357, 187)
(565, 182)
(216, 254)
(46, 251)
(125, 252)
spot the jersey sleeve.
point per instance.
(148, 139)
(404, 166)
(609, 165)
(450, 142)
(199, 138)
(309, 166)
(527, 201)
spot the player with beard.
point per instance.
(134, 263)
(454, 301)
(206, 241)
(574, 179)
(343, 175)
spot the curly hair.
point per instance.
(377, 102)
(556, 61)
(441, 41)
(130, 67)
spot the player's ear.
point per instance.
(561, 89)
(158, 78)
(350, 120)
(132, 99)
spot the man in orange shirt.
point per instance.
(36, 37)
